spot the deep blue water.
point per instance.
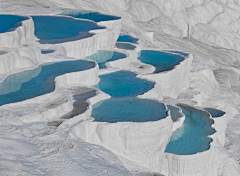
(162, 61)
(94, 16)
(191, 137)
(10, 22)
(47, 51)
(126, 46)
(36, 82)
(123, 83)
(175, 114)
(126, 38)
(178, 52)
(215, 112)
(128, 110)
(53, 29)
(103, 56)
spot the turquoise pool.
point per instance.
(56, 29)
(162, 61)
(104, 56)
(126, 38)
(94, 16)
(191, 137)
(128, 110)
(10, 22)
(39, 81)
(215, 112)
(123, 83)
(175, 114)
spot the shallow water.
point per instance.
(94, 16)
(126, 38)
(215, 112)
(128, 110)
(123, 83)
(36, 82)
(162, 61)
(104, 56)
(54, 29)
(10, 22)
(126, 46)
(191, 137)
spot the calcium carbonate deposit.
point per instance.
(120, 87)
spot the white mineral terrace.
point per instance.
(55, 133)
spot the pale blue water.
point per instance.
(162, 61)
(128, 110)
(126, 38)
(103, 56)
(36, 82)
(191, 137)
(175, 114)
(94, 16)
(10, 22)
(123, 83)
(54, 29)
(126, 46)
(178, 52)
(215, 112)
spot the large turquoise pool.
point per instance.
(39, 81)
(191, 137)
(10, 22)
(162, 61)
(104, 56)
(123, 83)
(57, 29)
(128, 110)
(94, 16)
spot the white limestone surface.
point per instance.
(172, 82)
(138, 142)
(19, 36)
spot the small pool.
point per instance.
(123, 83)
(126, 38)
(39, 81)
(162, 61)
(215, 112)
(126, 46)
(94, 16)
(43, 51)
(128, 110)
(103, 56)
(10, 22)
(175, 114)
(56, 29)
(191, 137)
(178, 52)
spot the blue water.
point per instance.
(215, 112)
(103, 56)
(94, 16)
(126, 46)
(128, 110)
(126, 38)
(123, 83)
(191, 137)
(53, 29)
(47, 51)
(36, 82)
(175, 114)
(10, 22)
(160, 60)
(178, 52)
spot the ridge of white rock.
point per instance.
(19, 36)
